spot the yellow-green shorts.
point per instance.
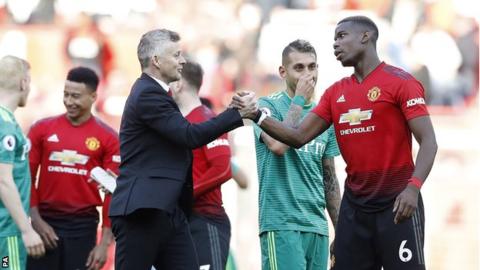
(292, 250)
(13, 254)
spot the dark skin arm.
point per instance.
(45, 231)
(407, 201)
(309, 128)
(98, 256)
(305, 87)
(292, 119)
(289, 132)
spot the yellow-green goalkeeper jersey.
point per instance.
(14, 147)
(291, 188)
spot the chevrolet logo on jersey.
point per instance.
(68, 157)
(355, 116)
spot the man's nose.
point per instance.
(182, 60)
(67, 100)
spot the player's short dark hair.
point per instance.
(206, 102)
(84, 75)
(193, 73)
(365, 22)
(298, 45)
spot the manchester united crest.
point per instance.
(92, 143)
(373, 93)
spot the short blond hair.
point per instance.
(12, 71)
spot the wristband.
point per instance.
(257, 116)
(299, 100)
(263, 116)
(415, 181)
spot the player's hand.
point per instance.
(246, 103)
(101, 187)
(97, 257)
(33, 243)
(406, 204)
(45, 231)
(305, 86)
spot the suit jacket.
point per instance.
(155, 149)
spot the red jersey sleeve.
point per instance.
(35, 156)
(111, 158)
(411, 99)
(219, 171)
(323, 108)
(105, 207)
(111, 161)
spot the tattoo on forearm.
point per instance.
(332, 190)
(293, 116)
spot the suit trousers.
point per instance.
(153, 237)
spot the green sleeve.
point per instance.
(267, 104)
(8, 142)
(331, 150)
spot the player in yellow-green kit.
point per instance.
(296, 185)
(17, 237)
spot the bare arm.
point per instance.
(407, 201)
(238, 174)
(11, 199)
(45, 231)
(290, 132)
(98, 256)
(332, 189)
(423, 132)
(310, 127)
(293, 118)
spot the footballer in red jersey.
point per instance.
(64, 203)
(374, 112)
(370, 120)
(209, 223)
(211, 168)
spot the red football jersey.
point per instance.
(211, 168)
(370, 120)
(66, 154)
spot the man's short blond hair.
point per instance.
(12, 71)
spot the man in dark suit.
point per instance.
(154, 189)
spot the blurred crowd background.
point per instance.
(239, 44)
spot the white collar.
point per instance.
(162, 83)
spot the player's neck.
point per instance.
(79, 120)
(188, 103)
(9, 102)
(366, 66)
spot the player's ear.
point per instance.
(23, 84)
(176, 86)
(93, 95)
(156, 61)
(180, 85)
(282, 71)
(366, 36)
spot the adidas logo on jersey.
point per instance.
(53, 138)
(341, 99)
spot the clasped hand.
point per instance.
(246, 104)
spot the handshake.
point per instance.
(246, 104)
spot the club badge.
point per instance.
(373, 94)
(92, 143)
